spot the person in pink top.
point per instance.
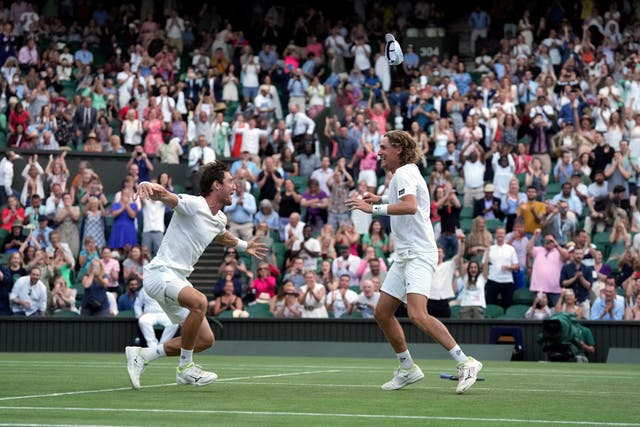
(548, 260)
(379, 111)
(265, 282)
(368, 165)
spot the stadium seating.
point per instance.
(259, 310)
(492, 224)
(455, 311)
(466, 212)
(493, 311)
(523, 296)
(516, 311)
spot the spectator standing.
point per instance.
(29, 295)
(579, 277)
(502, 260)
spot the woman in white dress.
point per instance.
(312, 296)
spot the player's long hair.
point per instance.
(402, 139)
(210, 173)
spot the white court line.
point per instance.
(108, 390)
(554, 372)
(444, 385)
(58, 425)
(327, 415)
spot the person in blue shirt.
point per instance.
(241, 211)
(128, 299)
(579, 277)
(83, 56)
(608, 306)
(268, 215)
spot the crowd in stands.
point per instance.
(531, 153)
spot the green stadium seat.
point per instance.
(493, 311)
(226, 314)
(259, 310)
(465, 224)
(493, 223)
(553, 188)
(523, 296)
(300, 183)
(455, 311)
(516, 311)
(126, 314)
(466, 212)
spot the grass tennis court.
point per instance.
(52, 389)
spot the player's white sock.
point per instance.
(153, 353)
(186, 357)
(405, 360)
(458, 354)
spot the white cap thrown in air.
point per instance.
(392, 50)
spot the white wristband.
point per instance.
(241, 246)
(380, 209)
(384, 198)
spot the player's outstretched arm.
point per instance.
(252, 247)
(153, 191)
(408, 205)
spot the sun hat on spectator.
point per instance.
(489, 188)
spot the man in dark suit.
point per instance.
(84, 120)
(489, 205)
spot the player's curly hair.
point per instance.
(402, 139)
(209, 173)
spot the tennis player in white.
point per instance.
(196, 221)
(415, 258)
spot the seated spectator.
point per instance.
(134, 264)
(632, 310)
(312, 297)
(63, 298)
(268, 215)
(608, 306)
(89, 252)
(127, 299)
(285, 304)
(229, 274)
(34, 210)
(14, 239)
(364, 267)
(478, 240)
(342, 300)
(95, 283)
(111, 267)
(12, 212)
(327, 241)
(264, 283)
(29, 295)
(567, 303)
(348, 236)
(620, 240)
(326, 276)
(227, 300)
(308, 248)
(489, 205)
(539, 309)
(367, 299)
(149, 315)
(346, 263)
(376, 238)
(295, 273)
(42, 232)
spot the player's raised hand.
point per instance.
(256, 248)
(357, 203)
(371, 198)
(148, 191)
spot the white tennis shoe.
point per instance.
(467, 374)
(194, 375)
(135, 365)
(403, 377)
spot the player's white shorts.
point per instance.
(163, 284)
(412, 276)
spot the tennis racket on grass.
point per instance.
(455, 377)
